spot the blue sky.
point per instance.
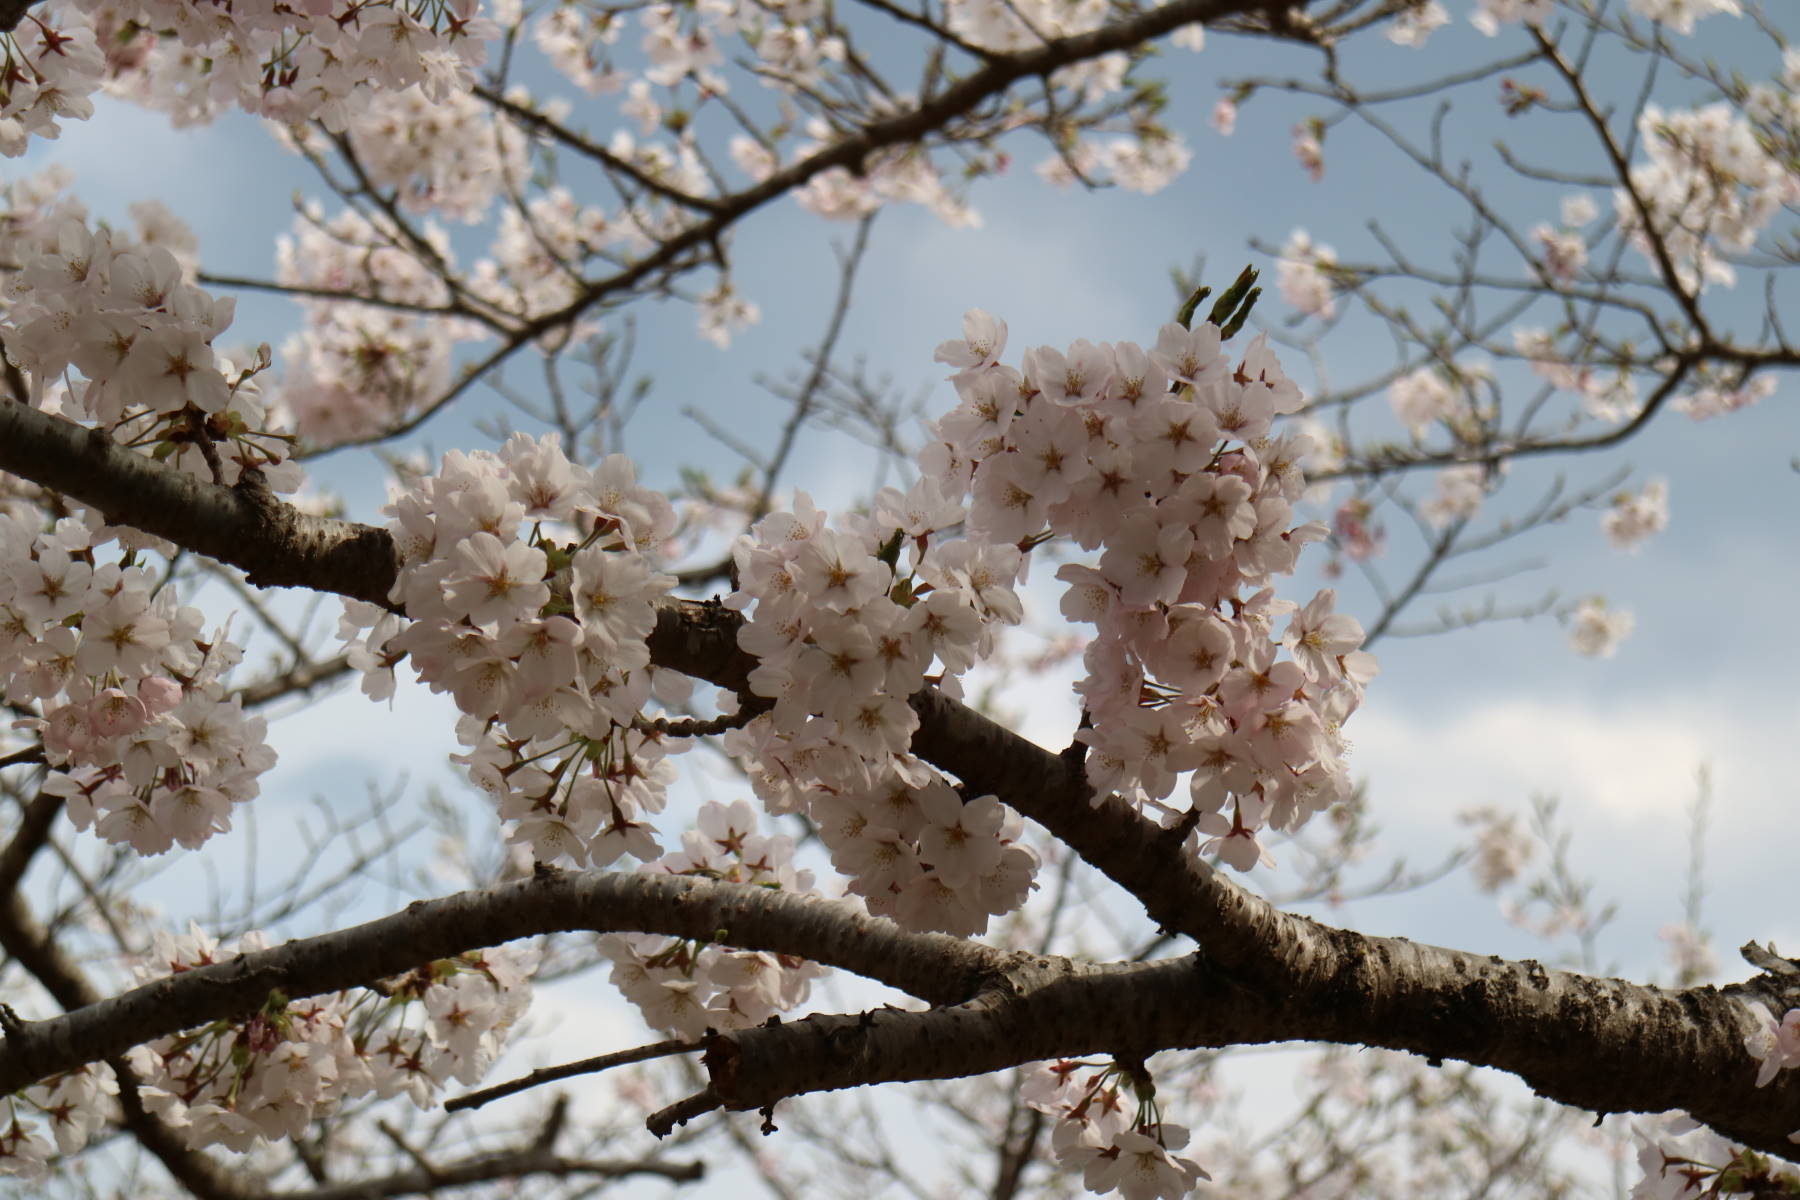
(1487, 716)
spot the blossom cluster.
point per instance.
(1715, 397)
(1303, 273)
(1412, 26)
(1775, 1044)
(1709, 185)
(1684, 1160)
(1421, 398)
(293, 63)
(354, 368)
(1565, 248)
(1459, 490)
(75, 1106)
(1605, 396)
(144, 743)
(1678, 15)
(1633, 519)
(1596, 630)
(111, 332)
(1354, 533)
(1113, 1137)
(536, 263)
(360, 366)
(529, 589)
(1501, 848)
(1309, 149)
(239, 1082)
(46, 73)
(845, 629)
(266, 1075)
(796, 48)
(893, 176)
(441, 154)
(920, 853)
(1712, 180)
(1165, 462)
(686, 987)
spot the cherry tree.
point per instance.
(603, 639)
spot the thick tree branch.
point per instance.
(1261, 974)
(934, 967)
(37, 817)
(276, 544)
(1601, 1044)
(28, 943)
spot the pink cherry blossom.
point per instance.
(983, 341)
(1318, 638)
(494, 583)
(1147, 560)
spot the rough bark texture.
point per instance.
(934, 967)
(1259, 975)
(12, 12)
(26, 941)
(276, 544)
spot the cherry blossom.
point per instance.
(1714, 397)
(1420, 399)
(1303, 273)
(1502, 848)
(1775, 1044)
(1596, 631)
(1319, 638)
(1417, 23)
(1709, 186)
(1309, 150)
(1459, 493)
(1683, 1160)
(1224, 116)
(1634, 518)
(983, 341)
(1139, 1166)
(266, 1075)
(1491, 14)
(1161, 481)
(685, 988)
(538, 632)
(1680, 15)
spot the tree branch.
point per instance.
(276, 544)
(934, 967)
(853, 153)
(1601, 1044)
(1261, 974)
(12, 12)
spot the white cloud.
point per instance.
(1626, 777)
(1634, 763)
(415, 734)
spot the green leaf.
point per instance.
(1185, 317)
